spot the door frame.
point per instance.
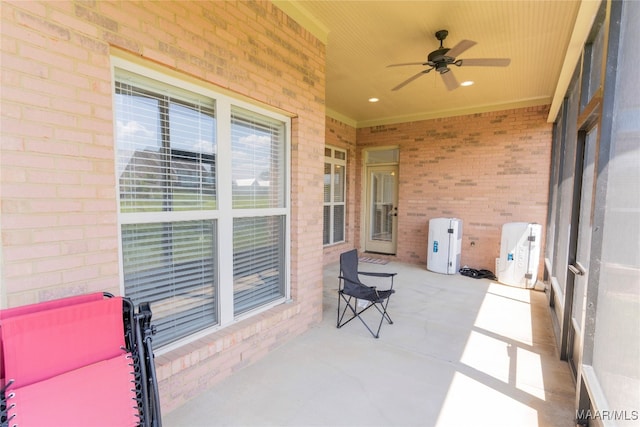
(574, 338)
(365, 242)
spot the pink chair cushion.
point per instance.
(32, 308)
(97, 395)
(47, 305)
(43, 344)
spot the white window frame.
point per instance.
(333, 161)
(225, 214)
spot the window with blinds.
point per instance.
(258, 171)
(166, 147)
(185, 233)
(166, 143)
(172, 266)
(334, 195)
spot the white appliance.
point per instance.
(519, 254)
(445, 245)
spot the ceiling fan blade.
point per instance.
(407, 63)
(410, 79)
(450, 80)
(486, 62)
(460, 48)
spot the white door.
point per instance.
(382, 209)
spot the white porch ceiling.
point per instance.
(542, 38)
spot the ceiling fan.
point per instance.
(441, 58)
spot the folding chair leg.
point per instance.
(339, 317)
(384, 313)
(356, 313)
(347, 306)
(382, 318)
(385, 316)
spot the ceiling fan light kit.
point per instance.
(441, 58)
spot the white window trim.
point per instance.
(225, 214)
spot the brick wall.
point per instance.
(487, 169)
(59, 211)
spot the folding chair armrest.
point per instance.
(359, 285)
(346, 279)
(375, 274)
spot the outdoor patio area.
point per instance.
(461, 352)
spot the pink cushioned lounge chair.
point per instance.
(79, 361)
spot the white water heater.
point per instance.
(519, 254)
(445, 245)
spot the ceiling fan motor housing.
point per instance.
(439, 55)
(439, 60)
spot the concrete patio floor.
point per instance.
(461, 352)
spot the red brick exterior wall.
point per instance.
(486, 169)
(58, 185)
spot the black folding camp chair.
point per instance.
(351, 290)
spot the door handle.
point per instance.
(577, 269)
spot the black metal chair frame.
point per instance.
(139, 332)
(351, 289)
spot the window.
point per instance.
(257, 146)
(172, 265)
(335, 164)
(201, 245)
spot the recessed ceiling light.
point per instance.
(467, 83)
(373, 100)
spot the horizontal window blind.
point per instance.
(172, 266)
(258, 161)
(258, 261)
(166, 150)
